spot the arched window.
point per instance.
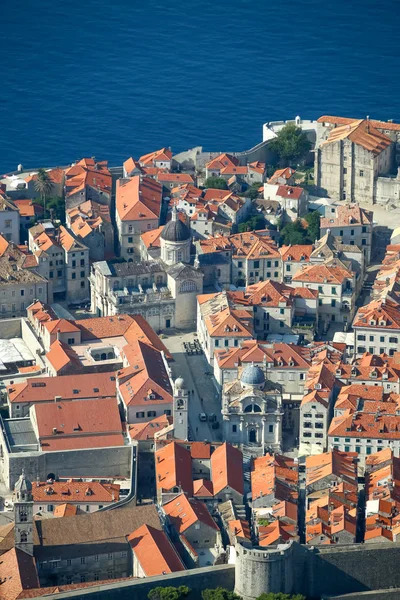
(110, 355)
(24, 537)
(179, 255)
(103, 356)
(188, 286)
(256, 408)
(23, 515)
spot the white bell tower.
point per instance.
(23, 514)
(180, 411)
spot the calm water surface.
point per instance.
(112, 79)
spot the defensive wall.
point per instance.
(317, 571)
(353, 572)
(137, 589)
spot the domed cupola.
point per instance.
(252, 376)
(175, 240)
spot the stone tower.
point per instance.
(180, 411)
(23, 514)
(262, 570)
(175, 241)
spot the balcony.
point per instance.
(133, 295)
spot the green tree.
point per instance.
(169, 593)
(216, 182)
(313, 220)
(55, 207)
(252, 191)
(219, 594)
(280, 596)
(291, 144)
(294, 233)
(254, 224)
(43, 185)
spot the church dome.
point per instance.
(252, 375)
(23, 484)
(175, 230)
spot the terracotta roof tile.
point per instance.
(154, 551)
(174, 468)
(227, 469)
(183, 513)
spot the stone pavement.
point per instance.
(198, 377)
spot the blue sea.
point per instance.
(117, 78)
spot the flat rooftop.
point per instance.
(89, 348)
(13, 351)
(20, 435)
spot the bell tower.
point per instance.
(23, 514)
(180, 411)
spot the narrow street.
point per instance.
(198, 377)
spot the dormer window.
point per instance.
(372, 322)
(317, 386)
(374, 374)
(382, 323)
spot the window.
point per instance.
(288, 267)
(363, 242)
(268, 263)
(226, 343)
(334, 291)
(282, 311)
(234, 428)
(83, 577)
(347, 448)
(276, 274)
(83, 560)
(256, 264)
(393, 340)
(96, 577)
(320, 289)
(361, 338)
(371, 338)
(351, 231)
(281, 324)
(319, 302)
(333, 303)
(335, 439)
(50, 508)
(22, 292)
(382, 338)
(276, 264)
(130, 240)
(140, 415)
(87, 508)
(51, 274)
(344, 171)
(71, 341)
(362, 175)
(59, 273)
(151, 413)
(8, 223)
(73, 276)
(341, 232)
(301, 376)
(82, 274)
(240, 264)
(73, 264)
(271, 428)
(361, 349)
(236, 342)
(68, 562)
(319, 435)
(216, 343)
(364, 229)
(82, 262)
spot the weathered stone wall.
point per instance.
(196, 580)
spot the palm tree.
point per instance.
(43, 185)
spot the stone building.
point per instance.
(152, 289)
(9, 219)
(252, 411)
(349, 161)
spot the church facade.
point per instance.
(252, 411)
(152, 288)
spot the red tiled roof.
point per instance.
(227, 469)
(28, 208)
(222, 161)
(201, 450)
(79, 424)
(388, 125)
(145, 378)
(154, 551)
(322, 274)
(288, 191)
(17, 574)
(340, 464)
(378, 314)
(162, 155)
(138, 199)
(61, 356)
(362, 133)
(151, 239)
(75, 491)
(183, 513)
(203, 488)
(296, 253)
(347, 215)
(174, 468)
(68, 387)
(88, 173)
(146, 431)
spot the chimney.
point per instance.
(58, 334)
